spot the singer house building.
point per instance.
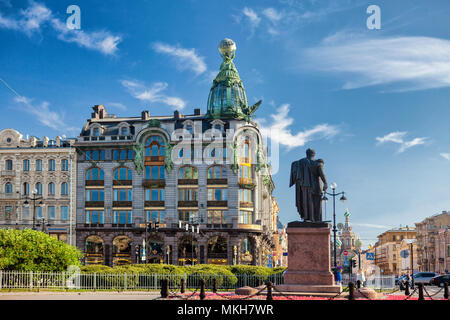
(181, 188)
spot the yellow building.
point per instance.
(387, 249)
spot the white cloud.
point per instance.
(279, 131)
(185, 58)
(398, 137)
(252, 16)
(410, 62)
(445, 156)
(32, 19)
(117, 105)
(152, 93)
(272, 14)
(45, 115)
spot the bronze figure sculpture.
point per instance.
(308, 175)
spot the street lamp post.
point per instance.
(343, 198)
(191, 228)
(34, 199)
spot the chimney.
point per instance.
(45, 139)
(99, 112)
(145, 115)
(196, 111)
(176, 114)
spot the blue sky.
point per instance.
(373, 103)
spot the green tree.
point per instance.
(29, 250)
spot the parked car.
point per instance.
(424, 277)
(440, 280)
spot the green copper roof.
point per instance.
(227, 98)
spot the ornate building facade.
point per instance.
(433, 243)
(43, 170)
(204, 178)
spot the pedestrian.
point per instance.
(360, 276)
(338, 276)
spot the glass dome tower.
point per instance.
(227, 99)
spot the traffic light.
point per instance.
(354, 263)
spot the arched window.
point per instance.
(217, 250)
(246, 251)
(121, 250)
(188, 172)
(217, 172)
(39, 189)
(95, 174)
(38, 165)
(9, 188)
(64, 189)
(123, 173)
(26, 189)
(94, 250)
(154, 146)
(187, 251)
(51, 189)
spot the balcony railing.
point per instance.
(256, 227)
(94, 204)
(122, 204)
(94, 183)
(223, 203)
(187, 204)
(154, 183)
(154, 203)
(243, 204)
(8, 173)
(122, 182)
(188, 181)
(217, 181)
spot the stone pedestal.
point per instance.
(309, 259)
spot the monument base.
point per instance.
(309, 259)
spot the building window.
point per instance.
(154, 146)
(154, 216)
(125, 131)
(51, 189)
(95, 155)
(245, 195)
(9, 165)
(38, 165)
(94, 217)
(215, 217)
(64, 213)
(123, 154)
(65, 165)
(95, 195)
(188, 216)
(26, 189)
(39, 189)
(245, 217)
(26, 165)
(9, 188)
(154, 194)
(217, 194)
(154, 172)
(51, 212)
(123, 195)
(245, 172)
(188, 172)
(96, 132)
(25, 212)
(217, 172)
(64, 189)
(95, 174)
(123, 217)
(39, 213)
(8, 212)
(51, 165)
(123, 173)
(187, 194)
